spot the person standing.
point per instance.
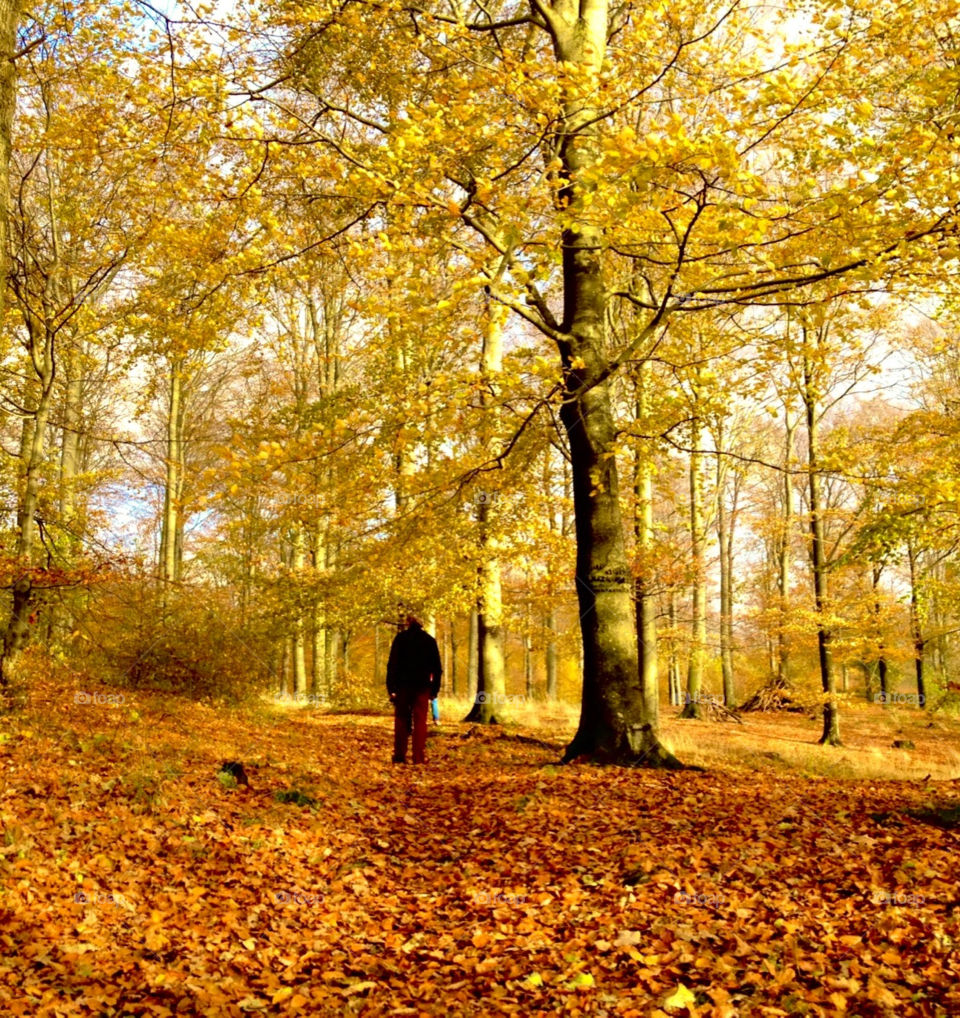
(413, 680)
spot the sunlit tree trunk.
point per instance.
(473, 656)
(528, 666)
(725, 534)
(379, 673)
(698, 621)
(68, 542)
(490, 675)
(673, 659)
(550, 663)
(170, 546)
(9, 21)
(298, 563)
(320, 633)
(646, 602)
(550, 621)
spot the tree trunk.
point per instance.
(698, 622)
(67, 545)
(298, 563)
(673, 663)
(831, 714)
(550, 621)
(343, 666)
(318, 658)
(551, 655)
(916, 627)
(725, 538)
(783, 552)
(379, 675)
(881, 649)
(528, 666)
(646, 606)
(473, 656)
(454, 668)
(31, 458)
(614, 726)
(491, 687)
(9, 21)
(170, 523)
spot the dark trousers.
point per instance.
(410, 712)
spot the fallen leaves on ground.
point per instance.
(490, 881)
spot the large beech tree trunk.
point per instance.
(616, 726)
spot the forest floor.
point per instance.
(785, 879)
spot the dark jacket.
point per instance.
(414, 662)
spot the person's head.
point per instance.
(412, 622)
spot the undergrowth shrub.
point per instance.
(191, 643)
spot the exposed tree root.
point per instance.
(640, 749)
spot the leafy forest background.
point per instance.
(617, 341)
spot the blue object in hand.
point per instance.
(435, 711)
